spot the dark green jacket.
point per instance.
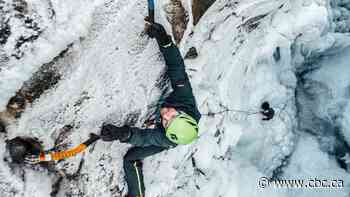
(181, 98)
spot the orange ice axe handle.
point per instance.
(56, 156)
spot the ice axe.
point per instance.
(56, 156)
(151, 11)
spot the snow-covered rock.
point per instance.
(33, 33)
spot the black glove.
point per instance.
(156, 30)
(92, 139)
(110, 132)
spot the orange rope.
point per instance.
(56, 156)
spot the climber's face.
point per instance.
(167, 114)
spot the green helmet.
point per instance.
(182, 130)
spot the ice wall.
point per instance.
(33, 33)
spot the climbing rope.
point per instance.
(248, 113)
(267, 111)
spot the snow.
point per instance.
(10, 185)
(111, 75)
(71, 21)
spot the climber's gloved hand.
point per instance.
(92, 139)
(110, 132)
(35, 159)
(156, 30)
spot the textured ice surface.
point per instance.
(39, 31)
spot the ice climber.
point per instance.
(178, 122)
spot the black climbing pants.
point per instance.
(147, 142)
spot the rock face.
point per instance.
(199, 7)
(192, 53)
(178, 18)
(20, 147)
(2, 127)
(44, 79)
